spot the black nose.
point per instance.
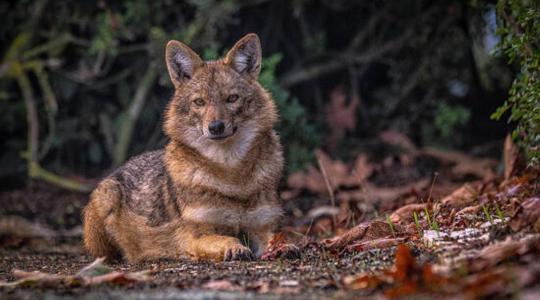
(216, 127)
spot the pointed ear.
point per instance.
(245, 56)
(181, 62)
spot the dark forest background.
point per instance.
(83, 84)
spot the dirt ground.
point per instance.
(309, 276)
(468, 232)
(305, 277)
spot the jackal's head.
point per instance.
(217, 102)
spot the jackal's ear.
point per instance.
(181, 62)
(245, 56)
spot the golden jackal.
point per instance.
(212, 192)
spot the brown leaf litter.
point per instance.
(94, 274)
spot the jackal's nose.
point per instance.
(216, 127)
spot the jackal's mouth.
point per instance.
(223, 136)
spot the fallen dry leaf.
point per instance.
(507, 249)
(398, 139)
(464, 196)
(362, 168)
(376, 244)
(221, 285)
(94, 274)
(15, 231)
(406, 278)
(96, 268)
(116, 278)
(463, 164)
(337, 173)
(528, 214)
(363, 281)
(366, 231)
(511, 157)
(371, 193)
(35, 278)
(404, 214)
(280, 248)
(486, 283)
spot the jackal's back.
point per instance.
(147, 188)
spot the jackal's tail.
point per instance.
(97, 240)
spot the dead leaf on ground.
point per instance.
(463, 164)
(398, 139)
(371, 193)
(497, 280)
(96, 268)
(511, 157)
(280, 248)
(337, 173)
(362, 168)
(404, 214)
(376, 244)
(528, 214)
(94, 274)
(221, 285)
(464, 196)
(363, 232)
(507, 249)
(15, 230)
(116, 278)
(404, 279)
(35, 278)
(469, 211)
(363, 282)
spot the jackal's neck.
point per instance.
(259, 169)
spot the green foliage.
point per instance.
(299, 136)
(390, 224)
(446, 127)
(417, 223)
(520, 41)
(499, 212)
(97, 77)
(488, 215)
(448, 119)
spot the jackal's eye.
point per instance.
(199, 102)
(232, 98)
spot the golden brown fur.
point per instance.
(210, 194)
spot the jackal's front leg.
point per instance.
(218, 247)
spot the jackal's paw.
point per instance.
(238, 252)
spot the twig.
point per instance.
(32, 138)
(341, 61)
(329, 187)
(308, 231)
(435, 175)
(327, 182)
(37, 172)
(51, 108)
(132, 114)
(34, 169)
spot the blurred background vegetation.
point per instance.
(83, 84)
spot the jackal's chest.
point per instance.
(257, 217)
